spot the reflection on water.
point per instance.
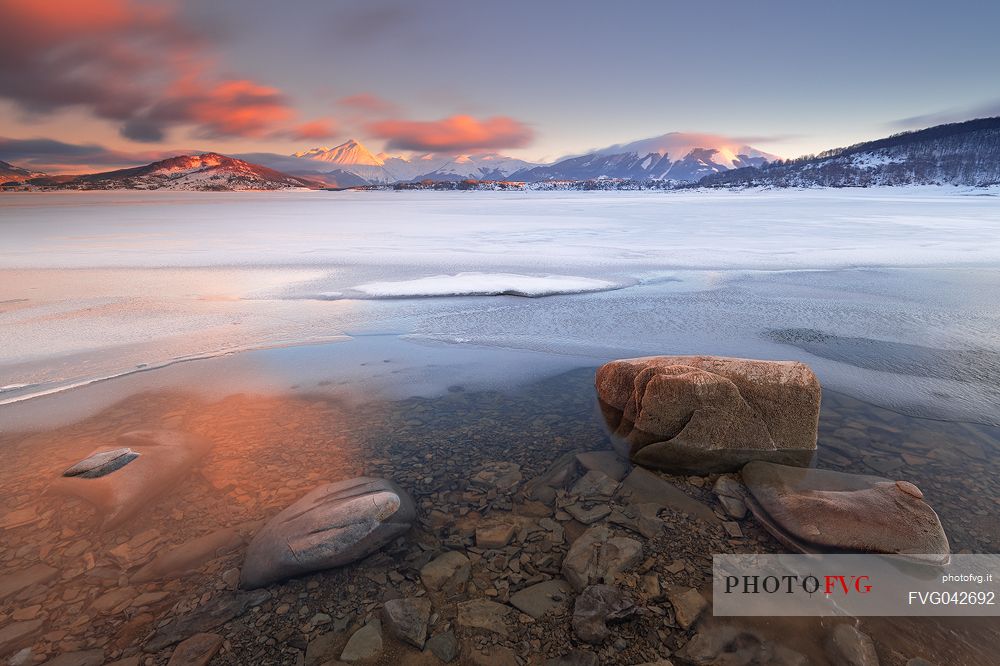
(68, 586)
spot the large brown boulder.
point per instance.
(818, 510)
(703, 414)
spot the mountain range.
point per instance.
(351, 164)
(960, 154)
(210, 171)
(966, 153)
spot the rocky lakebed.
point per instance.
(552, 525)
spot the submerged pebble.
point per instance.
(102, 463)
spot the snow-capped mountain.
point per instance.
(965, 153)
(676, 156)
(350, 152)
(351, 157)
(210, 171)
(489, 166)
(15, 174)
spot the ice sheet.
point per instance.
(485, 284)
(912, 271)
(532, 232)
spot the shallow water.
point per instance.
(249, 333)
(285, 420)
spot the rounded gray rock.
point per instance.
(335, 524)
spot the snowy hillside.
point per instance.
(210, 171)
(15, 174)
(957, 154)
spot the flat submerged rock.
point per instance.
(817, 510)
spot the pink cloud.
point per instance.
(322, 128)
(454, 134)
(132, 63)
(368, 103)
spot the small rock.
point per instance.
(650, 586)
(365, 643)
(323, 649)
(501, 476)
(688, 606)
(595, 484)
(102, 463)
(15, 635)
(483, 614)
(148, 599)
(588, 516)
(595, 608)
(19, 518)
(725, 644)
(231, 578)
(79, 658)
(607, 462)
(541, 598)
(846, 646)
(407, 619)
(494, 536)
(113, 601)
(598, 557)
(15, 581)
(444, 646)
(644, 486)
(196, 651)
(676, 566)
(136, 550)
(734, 508)
(727, 486)
(319, 619)
(448, 571)
(21, 658)
(26, 613)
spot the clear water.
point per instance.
(889, 295)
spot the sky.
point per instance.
(97, 84)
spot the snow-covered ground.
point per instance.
(888, 293)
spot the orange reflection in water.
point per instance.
(267, 451)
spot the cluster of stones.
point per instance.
(588, 561)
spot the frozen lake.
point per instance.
(889, 294)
